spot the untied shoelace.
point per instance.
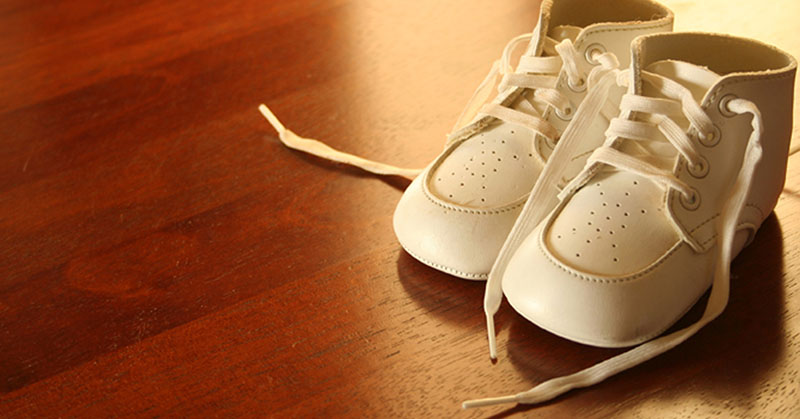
(657, 111)
(545, 68)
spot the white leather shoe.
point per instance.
(689, 170)
(456, 215)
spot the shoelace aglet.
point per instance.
(489, 401)
(492, 337)
(273, 120)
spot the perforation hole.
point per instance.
(475, 165)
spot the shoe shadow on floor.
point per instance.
(726, 361)
(449, 298)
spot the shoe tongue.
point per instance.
(557, 33)
(562, 32)
(697, 79)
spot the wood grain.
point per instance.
(162, 254)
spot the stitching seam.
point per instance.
(608, 280)
(509, 208)
(757, 208)
(444, 268)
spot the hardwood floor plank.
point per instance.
(356, 338)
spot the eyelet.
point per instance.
(699, 170)
(577, 87)
(692, 202)
(710, 139)
(723, 105)
(591, 50)
(566, 115)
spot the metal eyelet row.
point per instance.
(580, 85)
(701, 168)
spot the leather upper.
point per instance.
(586, 284)
(456, 214)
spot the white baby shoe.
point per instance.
(456, 215)
(687, 173)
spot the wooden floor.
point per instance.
(161, 254)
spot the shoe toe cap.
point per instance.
(458, 240)
(600, 310)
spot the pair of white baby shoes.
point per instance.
(617, 173)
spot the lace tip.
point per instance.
(492, 337)
(273, 120)
(491, 401)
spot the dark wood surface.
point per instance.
(162, 254)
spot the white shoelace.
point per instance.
(528, 115)
(545, 194)
(658, 111)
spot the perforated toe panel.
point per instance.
(613, 226)
(491, 169)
